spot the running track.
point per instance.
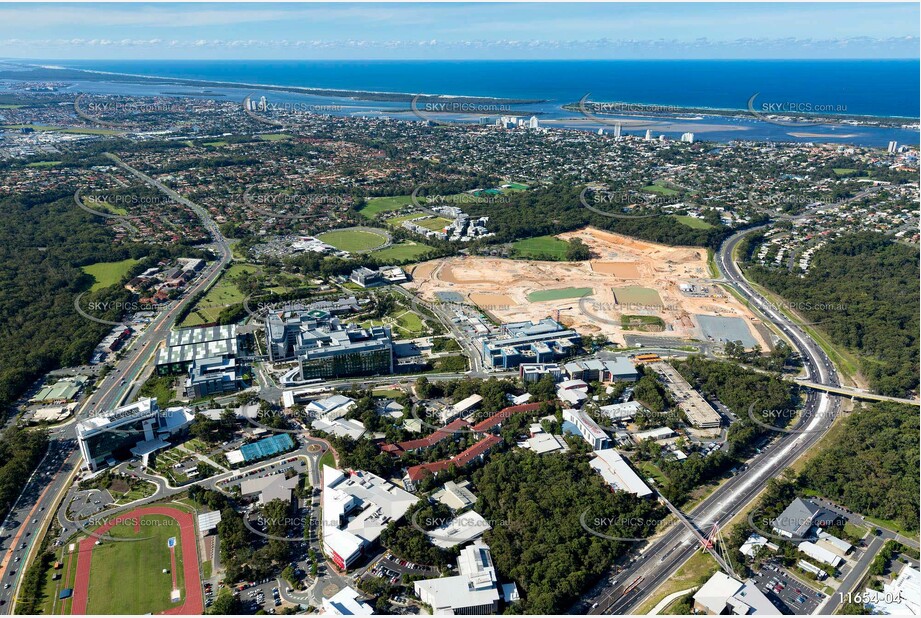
(193, 603)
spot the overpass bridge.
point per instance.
(854, 393)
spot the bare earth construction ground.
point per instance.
(625, 268)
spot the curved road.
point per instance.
(54, 475)
(656, 562)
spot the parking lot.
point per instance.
(391, 568)
(787, 593)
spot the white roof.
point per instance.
(839, 544)
(358, 507)
(346, 602)
(901, 597)
(332, 407)
(546, 443)
(462, 529)
(654, 434)
(340, 427)
(715, 593)
(209, 520)
(615, 470)
(475, 586)
(455, 495)
(819, 553)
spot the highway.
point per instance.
(45, 489)
(652, 564)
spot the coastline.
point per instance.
(363, 95)
(674, 112)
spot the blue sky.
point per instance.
(458, 31)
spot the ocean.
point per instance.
(862, 87)
(882, 88)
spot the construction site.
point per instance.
(625, 277)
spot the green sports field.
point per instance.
(377, 205)
(127, 577)
(694, 222)
(353, 240)
(402, 252)
(558, 294)
(274, 137)
(540, 247)
(108, 273)
(659, 189)
(434, 224)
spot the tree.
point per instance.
(577, 251)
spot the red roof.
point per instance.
(463, 458)
(432, 439)
(501, 415)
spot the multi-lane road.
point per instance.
(45, 489)
(654, 563)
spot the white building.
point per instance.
(346, 602)
(140, 427)
(820, 553)
(622, 411)
(331, 408)
(617, 473)
(533, 372)
(687, 137)
(462, 529)
(476, 590)
(659, 433)
(461, 408)
(723, 595)
(589, 429)
(900, 597)
(356, 509)
(455, 496)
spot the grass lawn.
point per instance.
(206, 569)
(404, 324)
(377, 205)
(516, 186)
(222, 294)
(540, 246)
(160, 387)
(274, 137)
(402, 252)
(353, 240)
(43, 164)
(435, 223)
(327, 460)
(857, 531)
(652, 471)
(390, 393)
(558, 294)
(216, 144)
(694, 572)
(127, 577)
(659, 190)
(10, 106)
(399, 219)
(103, 206)
(642, 322)
(843, 171)
(694, 222)
(108, 273)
